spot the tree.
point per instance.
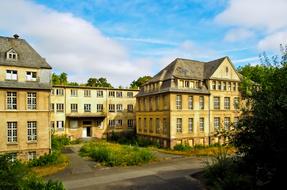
(139, 82)
(101, 82)
(62, 79)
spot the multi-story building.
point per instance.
(188, 102)
(81, 111)
(24, 96)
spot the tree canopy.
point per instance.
(139, 82)
(100, 82)
(62, 79)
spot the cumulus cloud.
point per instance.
(70, 44)
(263, 17)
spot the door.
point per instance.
(88, 131)
(84, 132)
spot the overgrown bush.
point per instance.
(59, 141)
(182, 147)
(47, 159)
(116, 155)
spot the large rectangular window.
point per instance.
(130, 108)
(213, 85)
(130, 94)
(190, 102)
(74, 107)
(119, 107)
(236, 103)
(112, 123)
(201, 124)
(111, 93)
(130, 123)
(178, 102)
(74, 92)
(87, 107)
(179, 125)
(12, 132)
(190, 125)
(87, 93)
(111, 107)
(32, 155)
(31, 100)
(60, 107)
(216, 102)
(59, 92)
(226, 123)
(216, 123)
(100, 93)
(227, 103)
(60, 125)
(100, 107)
(32, 130)
(11, 75)
(157, 126)
(201, 102)
(119, 94)
(11, 100)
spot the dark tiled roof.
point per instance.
(27, 56)
(24, 85)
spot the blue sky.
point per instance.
(122, 40)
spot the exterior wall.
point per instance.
(21, 71)
(99, 127)
(22, 115)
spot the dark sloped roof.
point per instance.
(27, 56)
(187, 69)
(24, 85)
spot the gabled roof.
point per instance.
(187, 69)
(27, 56)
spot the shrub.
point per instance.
(59, 141)
(47, 159)
(182, 147)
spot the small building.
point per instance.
(24, 96)
(188, 102)
(92, 112)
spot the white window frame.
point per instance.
(31, 100)
(100, 107)
(60, 125)
(190, 102)
(87, 107)
(179, 125)
(178, 102)
(227, 103)
(130, 107)
(226, 123)
(32, 155)
(130, 123)
(216, 123)
(11, 100)
(111, 107)
(31, 76)
(87, 93)
(201, 102)
(11, 75)
(100, 93)
(74, 92)
(201, 124)
(12, 132)
(74, 107)
(60, 107)
(190, 125)
(32, 131)
(119, 107)
(216, 102)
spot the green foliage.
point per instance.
(62, 79)
(116, 155)
(139, 82)
(16, 175)
(182, 147)
(58, 142)
(44, 160)
(100, 82)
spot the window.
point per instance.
(100, 107)
(130, 123)
(213, 85)
(119, 123)
(190, 125)
(52, 124)
(112, 123)
(234, 86)
(235, 122)
(190, 102)
(236, 103)
(150, 125)
(216, 102)
(74, 92)
(130, 108)
(60, 125)
(164, 126)
(60, 107)
(201, 124)
(145, 125)
(74, 107)
(87, 107)
(201, 102)
(229, 86)
(226, 71)
(31, 76)
(157, 103)
(100, 93)
(12, 55)
(119, 94)
(11, 75)
(73, 124)
(12, 132)
(179, 125)
(216, 123)
(32, 130)
(218, 85)
(87, 93)
(11, 100)
(130, 94)
(157, 126)
(52, 91)
(12, 156)
(119, 107)
(226, 123)
(150, 104)
(224, 85)
(186, 84)
(52, 107)
(59, 92)
(226, 103)
(111, 93)
(178, 102)
(32, 155)
(140, 124)
(31, 100)
(111, 107)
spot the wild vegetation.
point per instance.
(261, 132)
(110, 154)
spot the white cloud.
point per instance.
(70, 44)
(238, 34)
(262, 17)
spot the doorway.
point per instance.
(86, 132)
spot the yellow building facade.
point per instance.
(25, 98)
(85, 112)
(189, 102)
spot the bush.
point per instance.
(58, 142)
(182, 147)
(47, 159)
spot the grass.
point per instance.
(110, 154)
(53, 168)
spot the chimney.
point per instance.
(16, 36)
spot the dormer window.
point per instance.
(31, 76)
(186, 84)
(11, 75)
(12, 55)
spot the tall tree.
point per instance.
(62, 79)
(101, 82)
(140, 81)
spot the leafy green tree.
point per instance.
(139, 82)
(100, 82)
(62, 79)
